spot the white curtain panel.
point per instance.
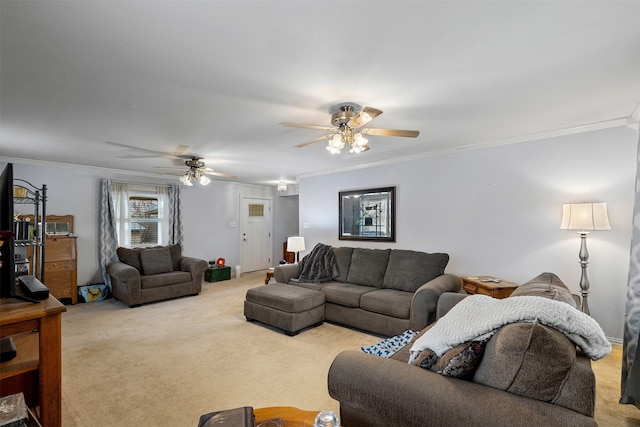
(630, 349)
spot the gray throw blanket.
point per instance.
(319, 265)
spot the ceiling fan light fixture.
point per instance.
(204, 179)
(359, 140)
(336, 144)
(186, 179)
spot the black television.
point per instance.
(7, 271)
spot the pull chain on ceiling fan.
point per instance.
(347, 131)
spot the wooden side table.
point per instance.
(269, 276)
(488, 285)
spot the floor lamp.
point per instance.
(584, 217)
(295, 244)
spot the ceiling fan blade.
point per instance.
(305, 126)
(313, 141)
(151, 153)
(363, 117)
(391, 132)
(224, 175)
(180, 149)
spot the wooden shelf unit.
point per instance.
(36, 371)
(61, 263)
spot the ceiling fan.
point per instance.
(347, 130)
(196, 172)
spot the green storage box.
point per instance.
(217, 274)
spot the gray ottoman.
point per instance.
(287, 307)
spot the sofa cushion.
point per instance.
(546, 285)
(368, 266)
(164, 279)
(343, 259)
(130, 257)
(408, 270)
(345, 294)
(176, 256)
(528, 359)
(389, 302)
(156, 261)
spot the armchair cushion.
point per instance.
(176, 256)
(130, 257)
(156, 261)
(528, 359)
(546, 285)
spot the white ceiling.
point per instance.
(219, 76)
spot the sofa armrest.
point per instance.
(446, 302)
(285, 272)
(123, 272)
(197, 268)
(425, 299)
(125, 282)
(375, 391)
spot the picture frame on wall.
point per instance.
(367, 215)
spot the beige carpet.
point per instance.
(167, 363)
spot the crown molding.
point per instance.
(605, 124)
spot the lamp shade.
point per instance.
(295, 244)
(585, 216)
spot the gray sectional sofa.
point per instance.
(529, 375)
(383, 291)
(144, 275)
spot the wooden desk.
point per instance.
(291, 417)
(486, 286)
(37, 332)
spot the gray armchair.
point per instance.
(144, 275)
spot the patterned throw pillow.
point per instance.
(459, 362)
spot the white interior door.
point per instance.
(255, 233)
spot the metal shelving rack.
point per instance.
(37, 197)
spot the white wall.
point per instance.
(207, 212)
(497, 211)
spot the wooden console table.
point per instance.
(36, 329)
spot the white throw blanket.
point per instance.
(478, 317)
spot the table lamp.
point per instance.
(295, 244)
(583, 217)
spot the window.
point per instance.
(144, 220)
(142, 217)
